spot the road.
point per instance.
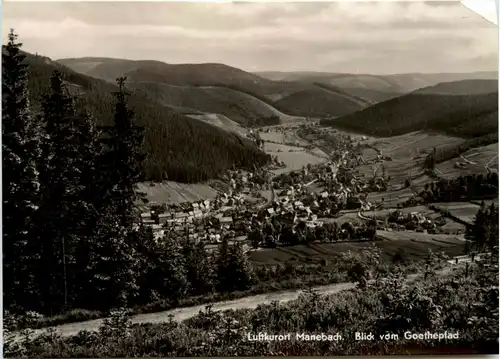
(250, 302)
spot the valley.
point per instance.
(169, 207)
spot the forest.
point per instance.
(178, 148)
(470, 187)
(72, 232)
(466, 116)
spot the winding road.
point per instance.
(250, 302)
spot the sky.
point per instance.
(356, 37)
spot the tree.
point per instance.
(200, 268)
(20, 153)
(234, 271)
(477, 234)
(59, 175)
(255, 238)
(492, 240)
(125, 158)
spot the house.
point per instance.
(148, 222)
(163, 217)
(146, 215)
(226, 220)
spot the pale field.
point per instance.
(465, 211)
(408, 145)
(416, 245)
(293, 160)
(221, 121)
(487, 202)
(273, 136)
(480, 156)
(170, 192)
(420, 237)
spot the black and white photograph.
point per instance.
(195, 179)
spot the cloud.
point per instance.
(264, 36)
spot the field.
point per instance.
(416, 245)
(174, 192)
(350, 216)
(480, 156)
(221, 121)
(407, 153)
(294, 160)
(464, 211)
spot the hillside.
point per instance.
(398, 83)
(217, 88)
(458, 115)
(318, 102)
(186, 149)
(464, 87)
(156, 71)
(236, 105)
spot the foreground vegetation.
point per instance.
(465, 301)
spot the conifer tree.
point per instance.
(59, 190)
(199, 267)
(126, 159)
(234, 271)
(20, 153)
(113, 270)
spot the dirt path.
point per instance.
(250, 302)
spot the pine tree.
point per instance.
(20, 153)
(59, 190)
(477, 234)
(114, 269)
(234, 271)
(222, 263)
(492, 240)
(126, 159)
(88, 205)
(200, 268)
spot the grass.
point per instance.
(479, 155)
(173, 192)
(293, 160)
(463, 211)
(416, 244)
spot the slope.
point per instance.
(212, 88)
(182, 148)
(156, 71)
(459, 115)
(398, 83)
(238, 106)
(464, 87)
(318, 102)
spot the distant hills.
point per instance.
(182, 148)
(460, 108)
(376, 87)
(222, 89)
(464, 87)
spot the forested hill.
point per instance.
(185, 149)
(458, 115)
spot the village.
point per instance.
(265, 209)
